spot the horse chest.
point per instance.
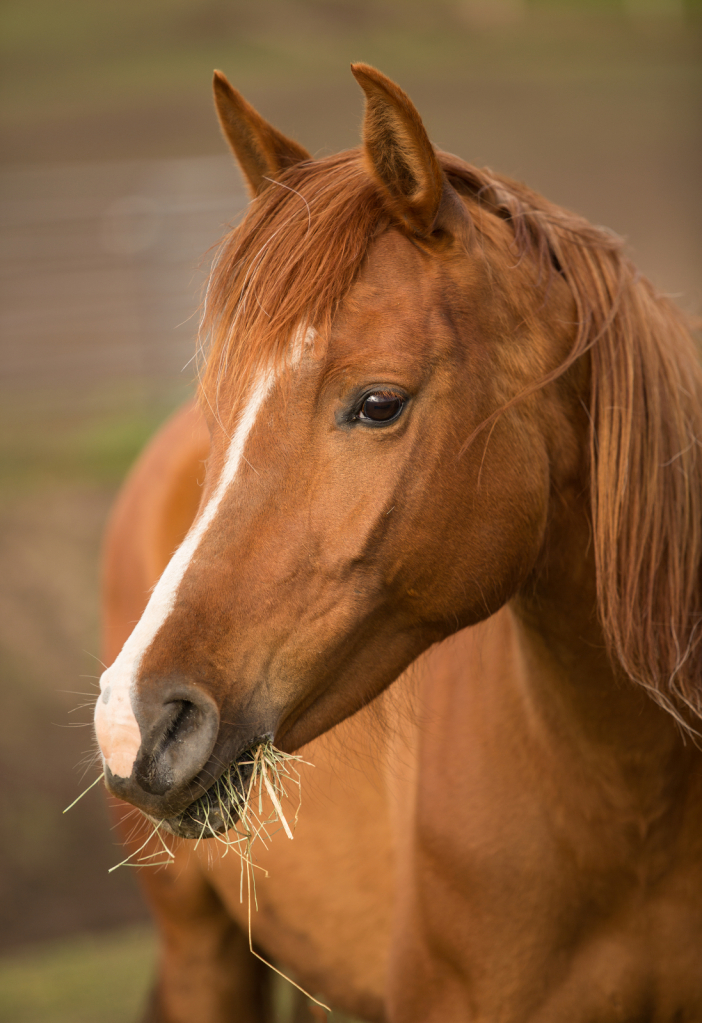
(541, 892)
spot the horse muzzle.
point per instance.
(157, 746)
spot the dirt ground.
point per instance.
(110, 197)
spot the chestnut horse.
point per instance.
(448, 541)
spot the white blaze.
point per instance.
(115, 725)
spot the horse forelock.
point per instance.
(300, 246)
(283, 272)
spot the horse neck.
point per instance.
(574, 693)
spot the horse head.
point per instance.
(384, 453)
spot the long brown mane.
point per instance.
(295, 256)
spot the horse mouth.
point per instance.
(217, 810)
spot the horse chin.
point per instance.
(193, 823)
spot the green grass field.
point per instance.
(82, 80)
(96, 979)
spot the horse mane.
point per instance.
(295, 255)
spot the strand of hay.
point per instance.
(85, 791)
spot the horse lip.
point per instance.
(129, 790)
(184, 823)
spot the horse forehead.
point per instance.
(394, 262)
(400, 290)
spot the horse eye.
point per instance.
(381, 407)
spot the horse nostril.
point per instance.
(185, 720)
(178, 739)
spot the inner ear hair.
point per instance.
(261, 151)
(403, 161)
(398, 151)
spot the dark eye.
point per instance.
(381, 407)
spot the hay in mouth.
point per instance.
(243, 805)
(235, 802)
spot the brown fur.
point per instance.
(526, 845)
(294, 258)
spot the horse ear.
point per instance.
(261, 151)
(403, 160)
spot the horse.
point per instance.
(434, 524)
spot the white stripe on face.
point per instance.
(116, 727)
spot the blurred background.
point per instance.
(114, 185)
